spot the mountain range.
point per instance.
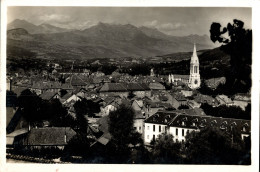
(100, 41)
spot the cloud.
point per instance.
(153, 23)
(171, 26)
(165, 27)
(55, 18)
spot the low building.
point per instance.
(49, 137)
(224, 100)
(123, 89)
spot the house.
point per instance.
(241, 101)
(139, 118)
(179, 124)
(16, 137)
(187, 93)
(78, 81)
(193, 104)
(69, 98)
(213, 83)
(48, 137)
(48, 95)
(14, 120)
(110, 89)
(180, 98)
(156, 86)
(80, 92)
(200, 98)
(224, 100)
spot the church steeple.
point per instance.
(194, 80)
(194, 57)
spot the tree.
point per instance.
(78, 145)
(58, 114)
(214, 146)
(81, 110)
(30, 105)
(11, 99)
(121, 128)
(165, 150)
(239, 47)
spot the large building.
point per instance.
(180, 123)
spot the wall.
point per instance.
(148, 132)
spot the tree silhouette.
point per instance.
(214, 146)
(165, 150)
(239, 46)
(121, 128)
(81, 110)
(30, 105)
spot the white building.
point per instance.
(179, 124)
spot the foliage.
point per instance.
(165, 150)
(78, 145)
(81, 110)
(121, 128)
(11, 99)
(214, 146)
(52, 111)
(25, 102)
(227, 111)
(239, 47)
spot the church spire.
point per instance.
(194, 58)
(194, 50)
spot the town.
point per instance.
(128, 85)
(161, 104)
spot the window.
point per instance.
(176, 131)
(159, 128)
(140, 128)
(147, 136)
(182, 132)
(135, 128)
(153, 137)
(188, 131)
(195, 69)
(148, 127)
(153, 127)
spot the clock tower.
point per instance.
(194, 80)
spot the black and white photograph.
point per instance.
(128, 85)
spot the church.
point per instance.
(193, 80)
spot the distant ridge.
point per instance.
(101, 41)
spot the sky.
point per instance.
(176, 21)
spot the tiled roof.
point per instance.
(48, 95)
(181, 76)
(77, 80)
(50, 136)
(113, 87)
(156, 86)
(182, 120)
(124, 87)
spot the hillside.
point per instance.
(100, 41)
(35, 29)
